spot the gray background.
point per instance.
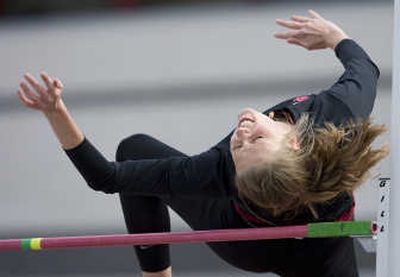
(179, 74)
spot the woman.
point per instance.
(297, 162)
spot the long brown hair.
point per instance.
(331, 160)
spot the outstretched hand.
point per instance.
(311, 32)
(45, 98)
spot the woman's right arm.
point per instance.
(192, 176)
(46, 98)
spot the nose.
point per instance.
(242, 133)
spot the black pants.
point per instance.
(286, 257)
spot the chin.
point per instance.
(232, 140)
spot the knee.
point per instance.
(129, 148)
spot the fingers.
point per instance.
(314, 14)
(41, 97)
(53, 86)
(304, 19)
(47, 80)
(38, 88)
(27, 91)
(281, 35)
(296, 41)
(25, 100)
(300, 18)
(290, 24)
(302, 25)
(58, 84)
(287, 35)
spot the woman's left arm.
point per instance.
(357, 87)
(355, 90)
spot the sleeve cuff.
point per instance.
(86, 155)
(93, 166)
(348, 49)
(84, 144)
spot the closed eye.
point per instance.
(257, 138)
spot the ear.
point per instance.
(294, 143)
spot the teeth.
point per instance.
(245, 124)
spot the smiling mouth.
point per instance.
(244, 119)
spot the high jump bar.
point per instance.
(312, 230)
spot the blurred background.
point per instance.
(178, 70)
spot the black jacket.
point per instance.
(211, 173)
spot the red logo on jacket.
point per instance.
(300, 99)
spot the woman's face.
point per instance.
(257, 139)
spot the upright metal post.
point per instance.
(383, 216)
(394, 223)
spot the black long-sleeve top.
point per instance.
(211, 173)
